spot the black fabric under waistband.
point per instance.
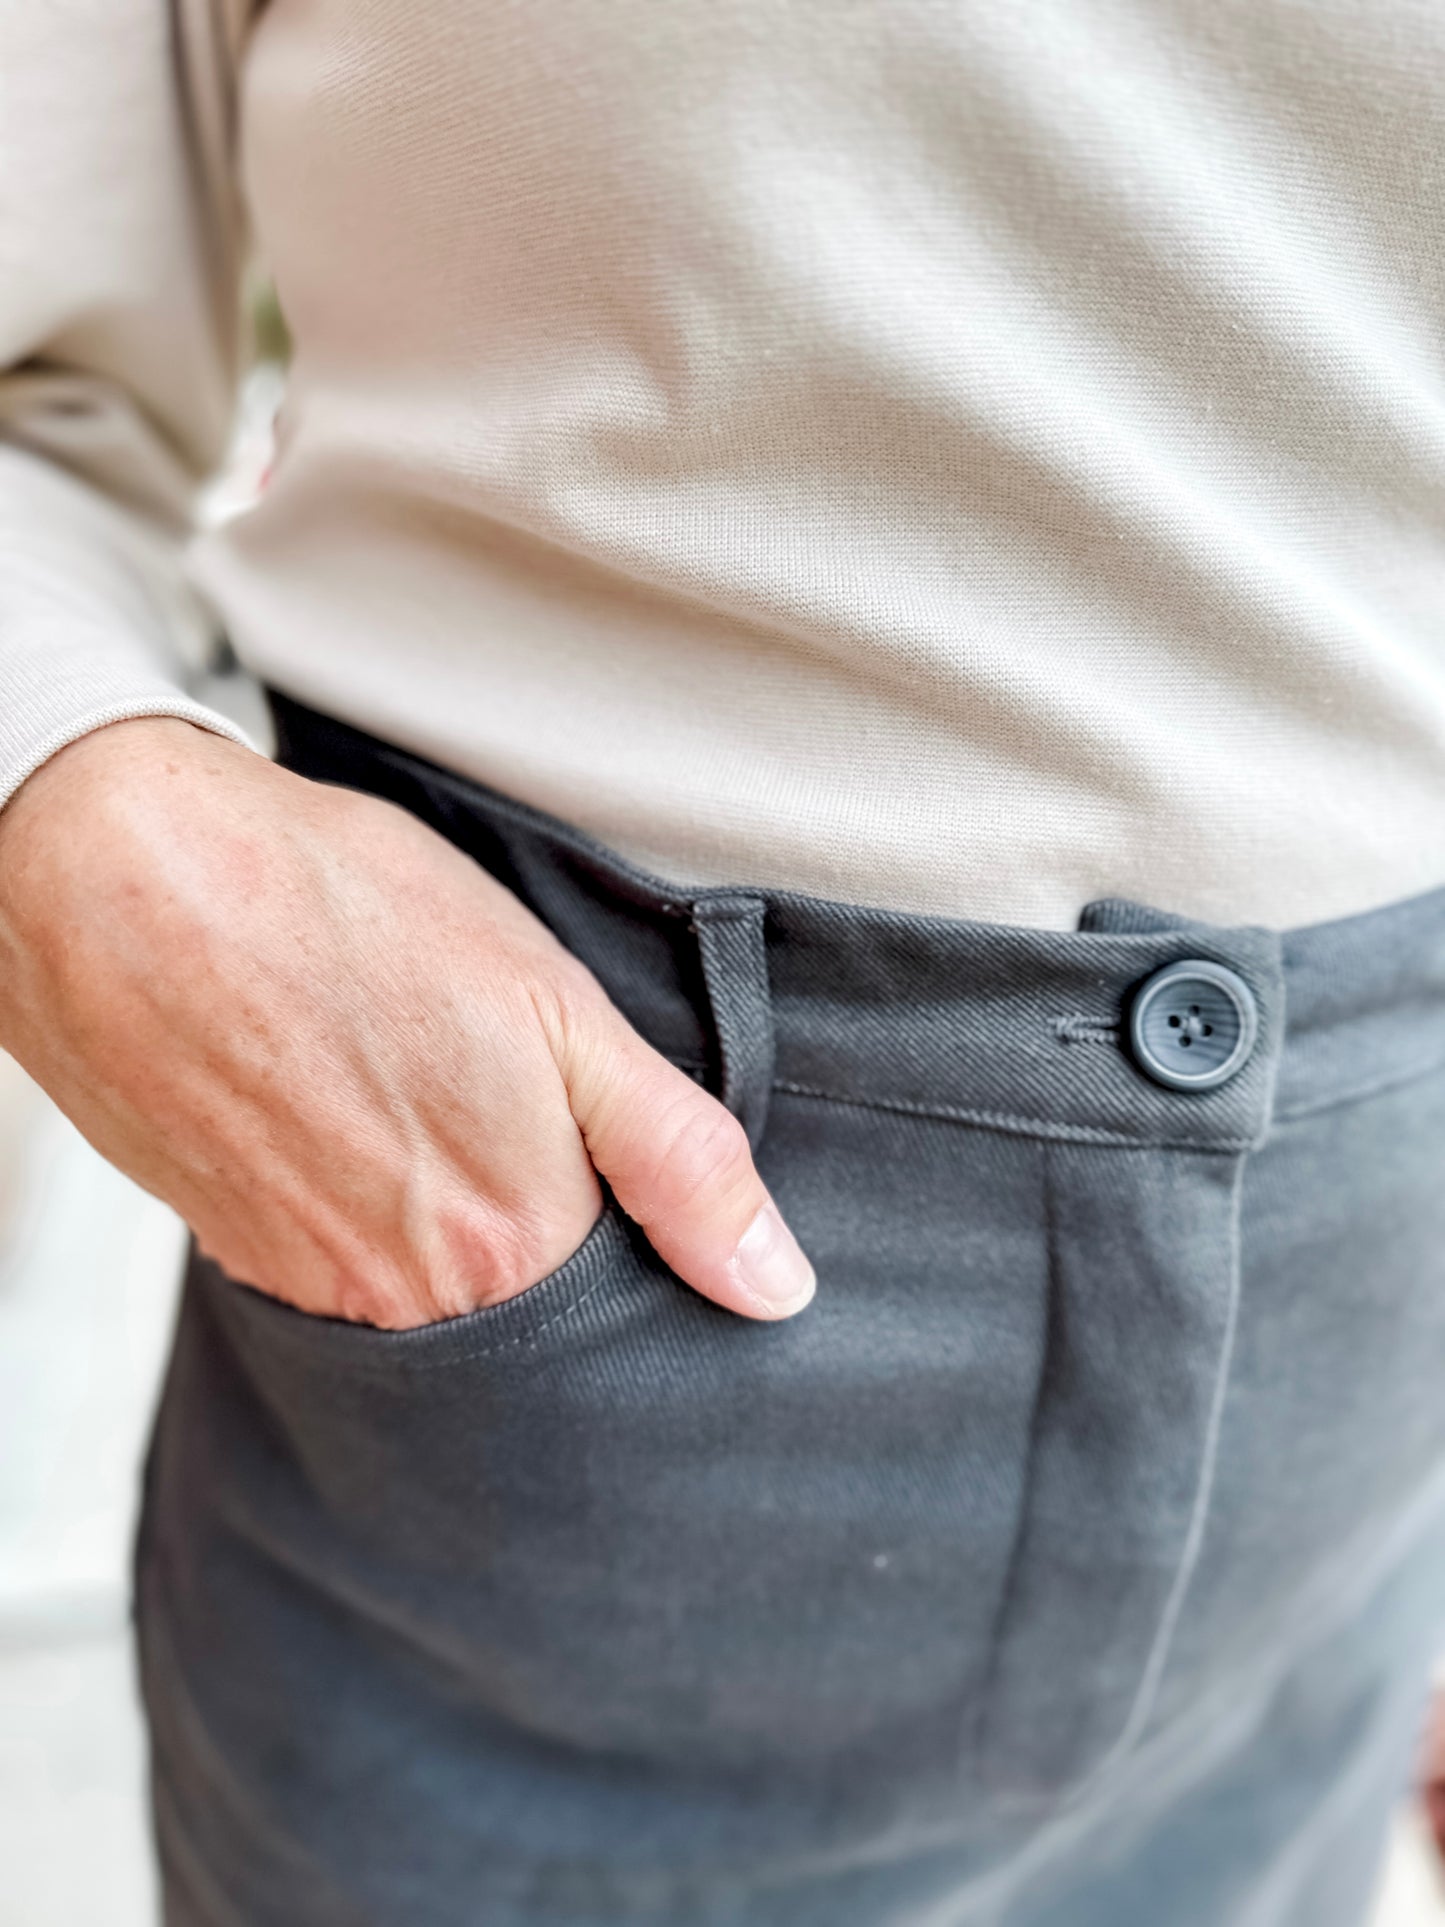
(1009, 1027)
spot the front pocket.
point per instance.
(517, 1324)
(612, 1539)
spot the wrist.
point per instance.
(61, 797)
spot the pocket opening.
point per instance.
(511, 1327)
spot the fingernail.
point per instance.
(770, 1267)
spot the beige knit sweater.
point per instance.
(960, 455)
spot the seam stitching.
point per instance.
(370, 1363)
(731, 909)
(1152, 1678)
(986, 1718)
(399, 1363)
(1021, 1126)
(1081, 1030)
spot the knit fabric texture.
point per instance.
(941, 455)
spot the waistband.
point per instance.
(1004, 1026)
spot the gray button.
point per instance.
(1192, 1024)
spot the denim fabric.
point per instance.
(1073, 1561)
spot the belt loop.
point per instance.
(731, 941)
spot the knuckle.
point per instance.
(702, 1150)
(370, 1300)
(478, 1258)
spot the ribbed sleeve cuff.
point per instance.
(96, 622)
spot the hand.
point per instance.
(1433, 1777)
(369, 1079)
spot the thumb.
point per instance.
(680, 1164)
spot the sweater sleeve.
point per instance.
(121, 240)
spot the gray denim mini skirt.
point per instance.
(1075, 1560)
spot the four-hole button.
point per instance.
(1192, 1024)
